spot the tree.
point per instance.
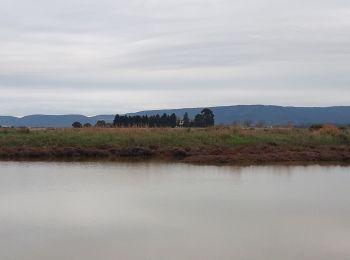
(157, 121)
(164, 120)
(204, 119)
(101, 123)
(172, 120)
(117, 120)
(186, 120)
(87, 125)
(77, 125)
(198, 120)
(208, 117)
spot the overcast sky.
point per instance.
(115, 56)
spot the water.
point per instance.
(156, 211)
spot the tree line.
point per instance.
(164, 120)
(204, 119)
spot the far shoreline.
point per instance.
(227, 145)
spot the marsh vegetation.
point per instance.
(224, 144)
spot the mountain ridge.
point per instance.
(267, 114)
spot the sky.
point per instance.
(114, 56)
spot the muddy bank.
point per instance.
(261, 154)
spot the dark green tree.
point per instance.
(77, 125)
(117, 121)
(157, 120)
(208, 117)
(164, 120)
(172, 120)
(142, 121)
(100, 123)
(199, 120)
(186, 120)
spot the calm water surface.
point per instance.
(150, 211)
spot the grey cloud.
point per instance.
(250, 51)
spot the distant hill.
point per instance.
(51, 120)
(270, 115)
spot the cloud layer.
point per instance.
(108, 56)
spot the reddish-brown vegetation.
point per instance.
(261, 154)
(216, 145)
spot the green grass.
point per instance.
(220, 136)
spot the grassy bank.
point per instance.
(227, 143)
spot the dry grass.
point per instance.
(167, 137)
(330, 130)
(217, 145)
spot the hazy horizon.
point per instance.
(166, 108)
(111, 56)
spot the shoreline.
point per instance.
(242, 156)
(206, 146)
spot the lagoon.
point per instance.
(173, 211)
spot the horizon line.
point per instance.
(160, 109)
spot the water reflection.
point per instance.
(173, 211)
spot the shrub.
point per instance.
(315, 127)
(77, 125)
(329, 129)
(23, 130)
